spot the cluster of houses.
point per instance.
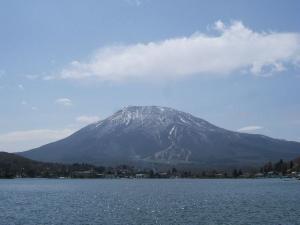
(118, 174)
(131, 173)
(272, 174)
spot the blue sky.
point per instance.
(64, 64)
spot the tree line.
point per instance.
(12, 166)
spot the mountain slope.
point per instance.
(150, 134)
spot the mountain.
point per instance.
(147, 135)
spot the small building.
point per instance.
(140, 175)
(257, 175)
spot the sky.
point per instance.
(65, 64)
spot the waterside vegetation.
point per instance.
(15, 166)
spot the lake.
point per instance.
(150, 201)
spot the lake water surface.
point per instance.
(150, 201)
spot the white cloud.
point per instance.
(64, 101)
(46, 78)
(32, 107)
(250, 128)
(20, 86)
(235, 48)
(28, 139)
(87, 119)
(134, 2)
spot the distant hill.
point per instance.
(10, 159)
(152, 135)
(11, 164)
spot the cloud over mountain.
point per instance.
(250, 128)
(235, 48)
(87, 119)
(64, 101)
